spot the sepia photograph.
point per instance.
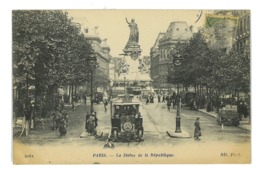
(103, 86)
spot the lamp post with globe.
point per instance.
(176, 63)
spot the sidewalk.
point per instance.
(244, 123)
(17, 122)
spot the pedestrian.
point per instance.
(87, 122)
(61, 104)
(92, 124)
(73, 103)
(173, 103)
(105, 104)
(151, 99)
(85, 99)
(169, 104)
(197, 131)
(159, 98)
(26, 120)
(147, 100)
(96, 119)
(167, 98)
(163, 99)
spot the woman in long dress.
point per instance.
(197, 131)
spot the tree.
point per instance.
(48, 51)
(214, 69)
(195, 56)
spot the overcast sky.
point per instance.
(112, 25)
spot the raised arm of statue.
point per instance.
(127, 21)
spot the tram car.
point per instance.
(126, 119)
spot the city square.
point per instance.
(184, 76)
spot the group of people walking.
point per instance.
(150, 99)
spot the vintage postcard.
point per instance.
(131, 87)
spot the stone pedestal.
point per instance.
(133, 49)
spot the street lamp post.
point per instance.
(177, 62)
(92, 63)
(178, 116)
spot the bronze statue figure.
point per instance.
(134, 32)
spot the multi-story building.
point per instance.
(241, 42)
(161, 58)
(155, 54)
(101, 49)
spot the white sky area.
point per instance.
(112, 25)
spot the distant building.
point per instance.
(241, 42)
(101, 76)
(155, 55)
(160, 53)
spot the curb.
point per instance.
(207, 114)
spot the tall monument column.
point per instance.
(132, 47)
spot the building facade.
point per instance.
(241, 42)
(102, 52)
(160, 53)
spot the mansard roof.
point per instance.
(159, 37)
(178, 30)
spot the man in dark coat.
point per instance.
(147, 100)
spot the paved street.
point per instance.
(157, 120)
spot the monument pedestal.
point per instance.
(133, 49)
